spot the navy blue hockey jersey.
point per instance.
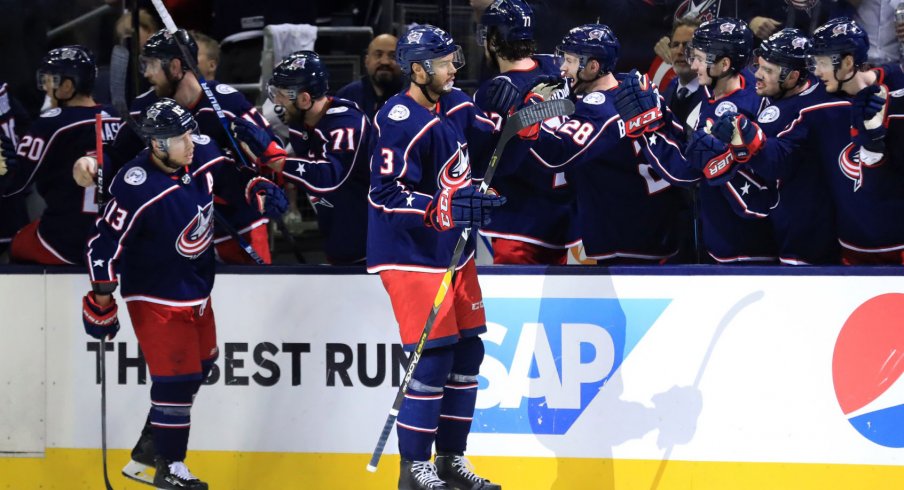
(157, 230)
(540, 206)
(13, 213)
(54, 142)
(623, 208)
(418, 152)
(331, 166)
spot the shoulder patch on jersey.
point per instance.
(52, 112)
(135, 176)
(898, 93)
(201, 139)
(594, 98)
(399, 113)
(226, 89)
(337, 110)
(769, 114)
(725, 106)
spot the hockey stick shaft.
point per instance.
(99, 151)
(518, 121)
(193, 66)
(103, 409)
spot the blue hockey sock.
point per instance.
(419, 414)
(460, 397)
(171, 417)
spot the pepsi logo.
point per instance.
(866, 369)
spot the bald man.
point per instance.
(383, 78)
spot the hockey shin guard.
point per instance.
(171, 417)
(419, 414)
(460, 397)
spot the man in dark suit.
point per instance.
(683, 94)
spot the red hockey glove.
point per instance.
(100, 321)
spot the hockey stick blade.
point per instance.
(516, 122)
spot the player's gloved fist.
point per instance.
(869, 118)
(550, 87)
(267, 197)
(258, 143)
(461, 207)
(100, 321)
(638, 105)
(502, 95)
(723, 127)
(747, 138)
(712, 157)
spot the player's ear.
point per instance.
(67, 87)
(418, 72)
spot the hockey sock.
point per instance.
(460, 397)
(419, 414)
(171, 417)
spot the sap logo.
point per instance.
(547, 359)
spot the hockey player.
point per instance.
(13, 123)
(156, 232)
(44, 156)
(866, 188)
(169, 74)
(625, 212)
(536, 226)
(421, 197)
(332, 140)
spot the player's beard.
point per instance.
(441, 88)
(166, 88)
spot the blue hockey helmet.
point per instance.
(839, 37)
(723, 37)
(789, 49)
(424, 43)
(162, 45)
(513, 18)
(165, 119)
(301, 71)
(73, 62)
(591, 42)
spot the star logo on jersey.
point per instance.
(745, 189)
(197, 235)
(702, 11)
(409, 201)
(727, 28)
(456, 172)
(300, 169)
(98, 263)
(839, 30)
(652, 140)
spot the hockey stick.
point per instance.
(99, 150)
(119, 62)
(193, 66)
(516, 122)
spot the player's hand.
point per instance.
(663, 50)
(99, 316)
(257, 143)
(763, 27)
(712, 157)
(461, 207)
(9, 161)
(869, 118)
(267, 197)
(84, 172)
(638, 105)
(502, 95)
(550, 87)
(747, 138)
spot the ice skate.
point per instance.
(175, 476)
(420, 475)
(141, 467)
(456, 472)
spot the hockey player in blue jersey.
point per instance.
(14, 122)
(156, 232)
(536, 226)
(332, 141)
(421, 197)
(866, 188)
(625, 212)
(45, 154)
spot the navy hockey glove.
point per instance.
(100, 321)
(502, 95)
(723, 128)
(638, 105)
(712, 157)
(747, 138)
(461, 207)
(257, 143)
(869, 118)
(8, 158)
(267, 197)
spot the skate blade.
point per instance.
(139, 472)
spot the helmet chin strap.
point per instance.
(425, 90)
(164, 156)
(846, 80)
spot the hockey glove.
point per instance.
(267, 197)
(712, 157)
(257, 143)
(869, 118)
(550, 87)
(8, 158)
(747, 139)
(502, 95)
(461, 207)
(100, 321)
(638, 105)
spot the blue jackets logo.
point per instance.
(547, 359)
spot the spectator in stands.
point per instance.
(683, 93)
(383, 78)
(877, 18)
(208, 55)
